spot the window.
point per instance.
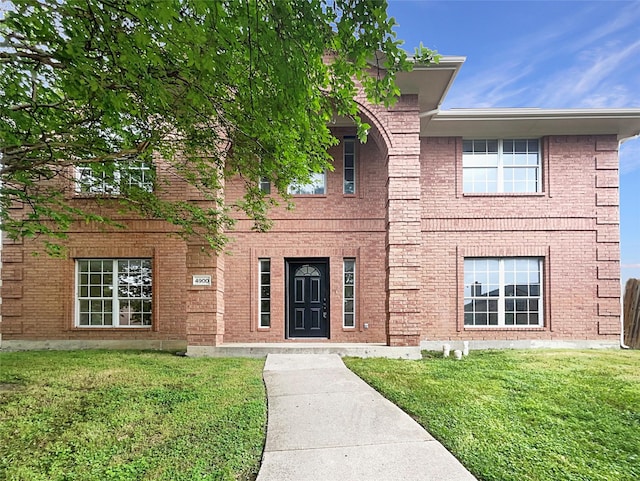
(265, 185)
(501, 165)
(503, 292)
(113, 292)
(349, 293)
(349, 156)
(264, 306)
(100, 179)
(316, 186)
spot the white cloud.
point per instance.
(630, 266)
(590, 60)
(594, 80)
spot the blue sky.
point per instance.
(548, 54)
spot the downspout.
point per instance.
(622, 344)
(623, 288)
(430, 113)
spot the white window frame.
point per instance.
(503, 297)
(265, 185)
(261, 312)
(316, 181)
(501, 167)
(346, 299)
(115, 299)
(351, 157)
(86, 178)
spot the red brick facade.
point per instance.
(409, 227)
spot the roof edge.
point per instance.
(536, 113)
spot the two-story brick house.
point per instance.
(497, 226)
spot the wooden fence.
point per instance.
(632, 313)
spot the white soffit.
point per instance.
(515, 123)
(431, 83)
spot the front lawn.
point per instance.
(524, 415)
(100, 415)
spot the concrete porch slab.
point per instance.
(341, 349)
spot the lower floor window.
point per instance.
(113, 292)
(264, 287)
(349, 286)
(503, 291)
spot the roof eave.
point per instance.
(501, 123)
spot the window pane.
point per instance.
(95, 296)
(265, 185)
(348, 306)
(349, 188)
(264, 289)
(484, 294)
(348, 292)
(348, 320)
(349, 267)
(316, 186)
(265, 306)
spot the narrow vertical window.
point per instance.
(264, 306)
(349, 293)
(349, 165)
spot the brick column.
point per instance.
(607, 235)
(205, 304)
(403, 244)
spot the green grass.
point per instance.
(516, 415)
(100, 415)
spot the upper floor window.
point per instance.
(113, 292)
(503, 292)
(315, 186)
(349, 156)
(99, 179)
(265, 185)
(501, 166)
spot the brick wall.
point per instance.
(573, 224)
(39, 290)
(409, 226)
(333, 226)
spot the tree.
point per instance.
(216, 88)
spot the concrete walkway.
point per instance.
(326, 424)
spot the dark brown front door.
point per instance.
(307, 298)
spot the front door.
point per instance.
(307, 297)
